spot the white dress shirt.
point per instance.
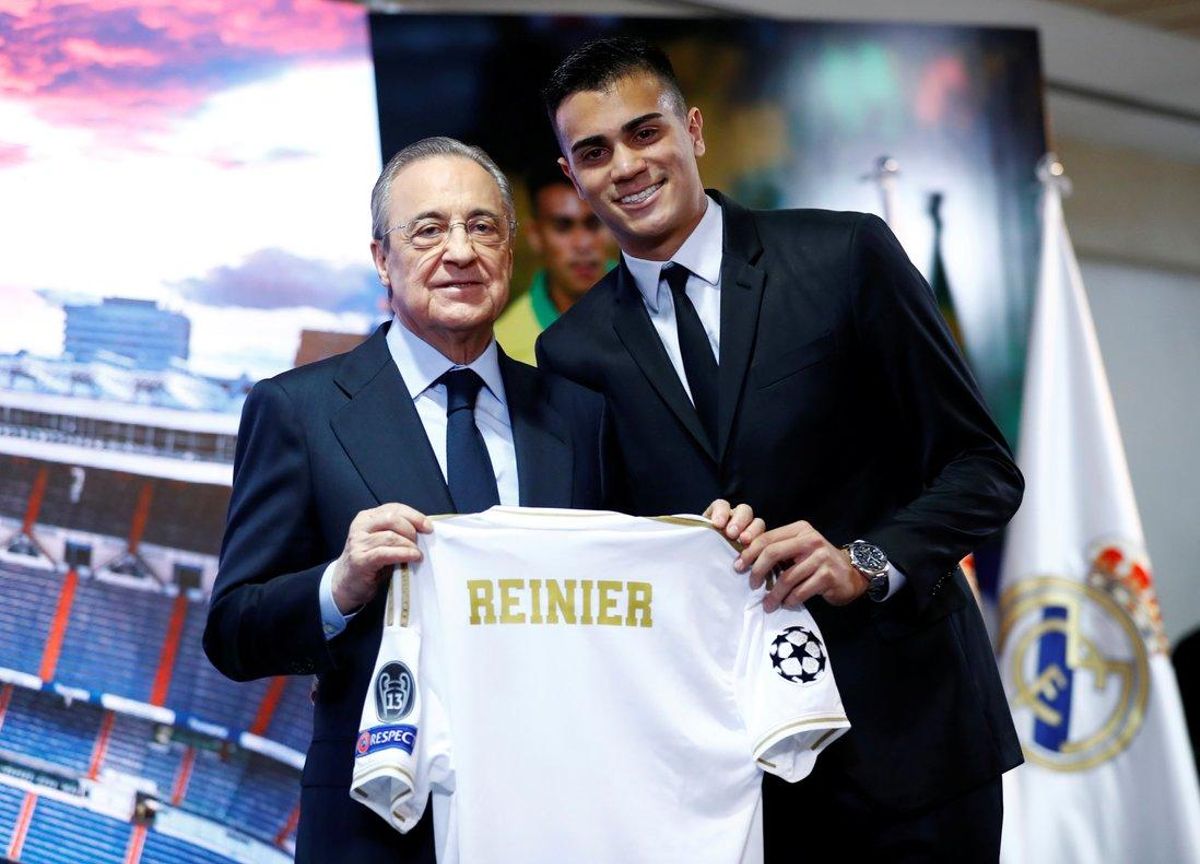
(701, 253)
(420, 365)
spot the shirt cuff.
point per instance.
(896, 580)
(333, 622)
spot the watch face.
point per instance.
(868, 556)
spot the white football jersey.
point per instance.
(589, 686)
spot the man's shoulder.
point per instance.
(592, 308)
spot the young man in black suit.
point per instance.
(796, 360)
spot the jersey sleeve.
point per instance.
(786, 690)
(400, 751)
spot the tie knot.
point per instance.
(676, 276)
(462, 386)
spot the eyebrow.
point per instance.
(438, 214)
(593, 140)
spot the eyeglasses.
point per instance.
(432, 233)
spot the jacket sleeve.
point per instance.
(265, 618)
(970, 486)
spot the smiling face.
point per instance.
(449, 295)
(632, 156)
(571, 241)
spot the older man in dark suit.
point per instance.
(796, 360)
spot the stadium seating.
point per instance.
(41, 726)
(10, 807)
(200, 690)
(132, 750)
(62, 834)
(187, 516)
(164, 849)
(292, 723)
(27, 603)
(114, 638)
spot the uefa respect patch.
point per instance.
(385, 737)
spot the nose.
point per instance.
(459, 248)
(627, 163)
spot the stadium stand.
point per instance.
(62, 834)
(292, 722)
(103, 503)
(10, 806)
(187, 516)
(200, 690)
(16, 481)
(134, 750)
(27, 603)
(114, 637)
(41, 726)
(163, 849)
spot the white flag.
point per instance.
(1109, 775)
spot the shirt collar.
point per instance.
(700, 253)
(421, 364)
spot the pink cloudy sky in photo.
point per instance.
(213, 155)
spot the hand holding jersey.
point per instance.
(377, 540)
(805, 565)
(619, 684)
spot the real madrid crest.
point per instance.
(1077, 653)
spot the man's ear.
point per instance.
(695, 127)
(379, 256)
(566, 169)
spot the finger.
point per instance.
(750, 554)
(741, 516)
(392, 515)
(385, 537)
(805, 591)
(753, 530)
(718, 513)
(793, 548)
(373, 559)
(787, 582)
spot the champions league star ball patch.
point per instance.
(798, 655)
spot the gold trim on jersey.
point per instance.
(792, 726)
(401, 576)
(374, 773)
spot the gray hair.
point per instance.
(427, 148)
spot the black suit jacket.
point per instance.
(317, 445)
(844, 402)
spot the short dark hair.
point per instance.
(601, 62)
(543, 176)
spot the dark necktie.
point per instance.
(469, 471)
(699, 364)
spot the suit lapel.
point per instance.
(540, 436)
(637, 333)
(741, 298)
(382, 434)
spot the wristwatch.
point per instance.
(871, 561)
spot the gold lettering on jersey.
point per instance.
(482, 600)
(606, 602)
(586, 585)
(535, 598)
(637, 613)
(560, 601)
(509, 600)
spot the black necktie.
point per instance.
(469, 471)
(698, 361)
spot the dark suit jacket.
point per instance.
(843, 401)
(317, 445)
